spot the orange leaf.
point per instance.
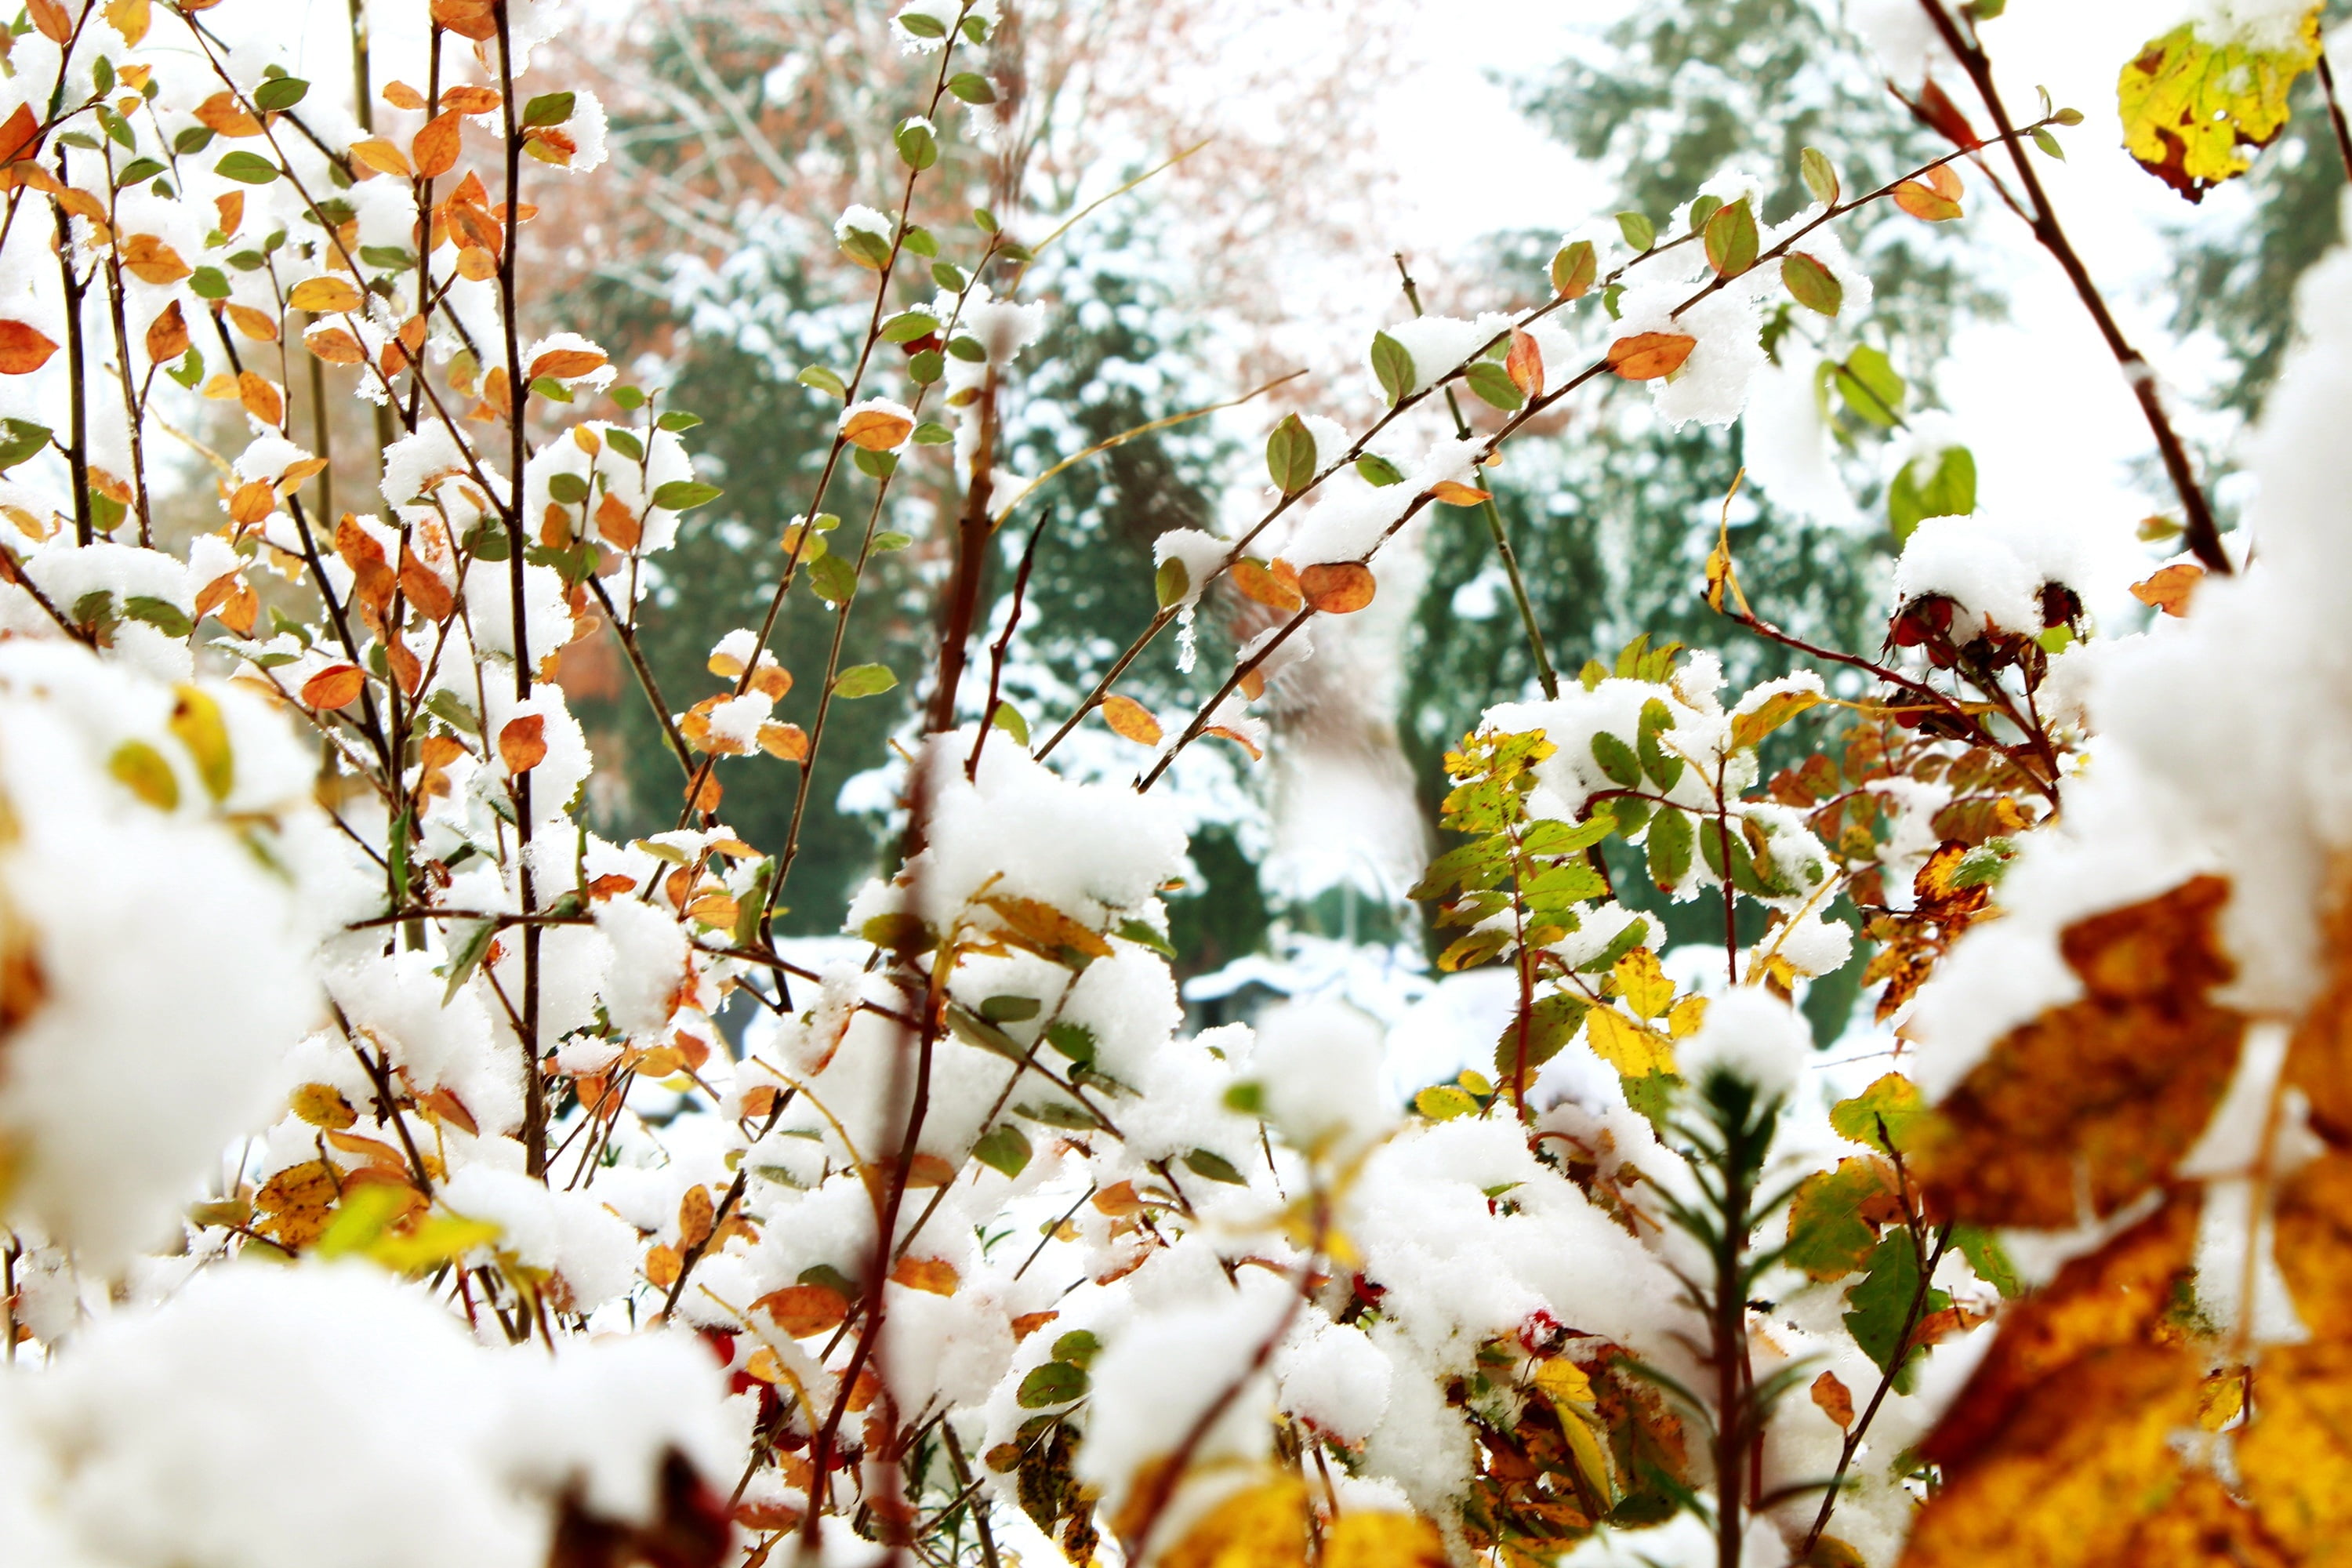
(1236, 737)
(564, 364)
(400, 95)
(1337, 587)
(262, 398)
(252, 501)
(1835, 1400)
(151, 261)
(1646, 356)
(934, 1275)
(167, 335)
(230, 205)
(2170, 588)
(1264, 583)
(787, 741)
(21, 350)
(436, 147)
(444, 1106)
(337, 686)
(376, 152)
(1455, 494)
(466, 99)
(51, 19)
(325, 295)
(876, 429)
(475, 265)
(20, 135)
(523, 743)
(261, 327)
(424, 589)
(1925, 203)
(225, 116)
(334, 345)
(804, 1311)
(475, 19)
(695, 1216)
(1525, 365)
(1130, 717)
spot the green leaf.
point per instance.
(1983, 1250)
(279, 93)
(864, 680)
(626, 442)
(1731, 240)
(247, 168)
(1216, 1167)
(1573, 269)
(1892, 1102)
(1835, 1217)
(907, 325)
(1820, 174)
(20, 439)
(1378, 471)
(1290, 456)
(1393, 364)
(925, 366)
(968, 349)
(1079, 1347)
(1548, 837)
(1008, 718)
(931, 433)
(2049, 144)
(890, 539)
(140, 769)
(831, 578)
(1662, 766)
(1869, 386)
(1669, 847)
(162, 614)
(549, 109)
(1003, 1147)
(917, 145)
(1639, 231)
(193, 140)
(1551, 1023)
(1811, 285)
(1075, 1041)
(567, 489)
(1055, 1383)
(1009, 1009)
(1702, 208)
(386, 258)
(1171, 582)
(467, 957)
(971, 87)
(1616, 759)
(1495, 387)
(1141, 933)
(681, 495)
(1882, 1301)
(138, 169)
(975, 1030)
(921, 25)
(679, 419)
(823, 380)
(1950, 491)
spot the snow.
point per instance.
(1749, 1035)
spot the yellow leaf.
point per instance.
(1383, 1540)
(1130, 717)
(196, 723)
(1262, 1527)
(1444, 1102)
(2189, 109)
(1750, 728)
(1564, 1382)
(1626, 1046)
(1683, 1020)
(802, 1311)
(1643, 985)
(1454, 494)
(936, 1275)
(2169, 589)
(325, 295)
(380, 155)
(876, 429)
(151, 261)
(140, 768)
(129, 18)
(1044, 930)
(323, 1105)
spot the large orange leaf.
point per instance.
(2097, 1100)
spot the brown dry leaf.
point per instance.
(1835, 1400)
(262, 398)
(1275, 586)
(436, 148)
(337, 686)
(374, 1150)
(1337, 587)
(441, 1105)
(326, 295)
(167, 335)
(1646, 356)
(2100, 1098)
(1262, 1527)
(1044, 930)
(334, 345)
(258, 325)
(23, 350)
(696, 1216)
(323, 1105)
(522, 742)
(376, 152)
(934, 1275)
(2170, 588)
(876, 429)
(225, 116)
(1130, 717)
(565, 365)
(151, 261)
(802, 1311)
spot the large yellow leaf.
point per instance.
(2101, 1098)
(1626, 1046)
(2190, 109)
(1262, 1527)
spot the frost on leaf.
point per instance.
(2191, 107)
(2097, 1100)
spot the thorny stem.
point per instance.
(2203, 533)
(534, 1087)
